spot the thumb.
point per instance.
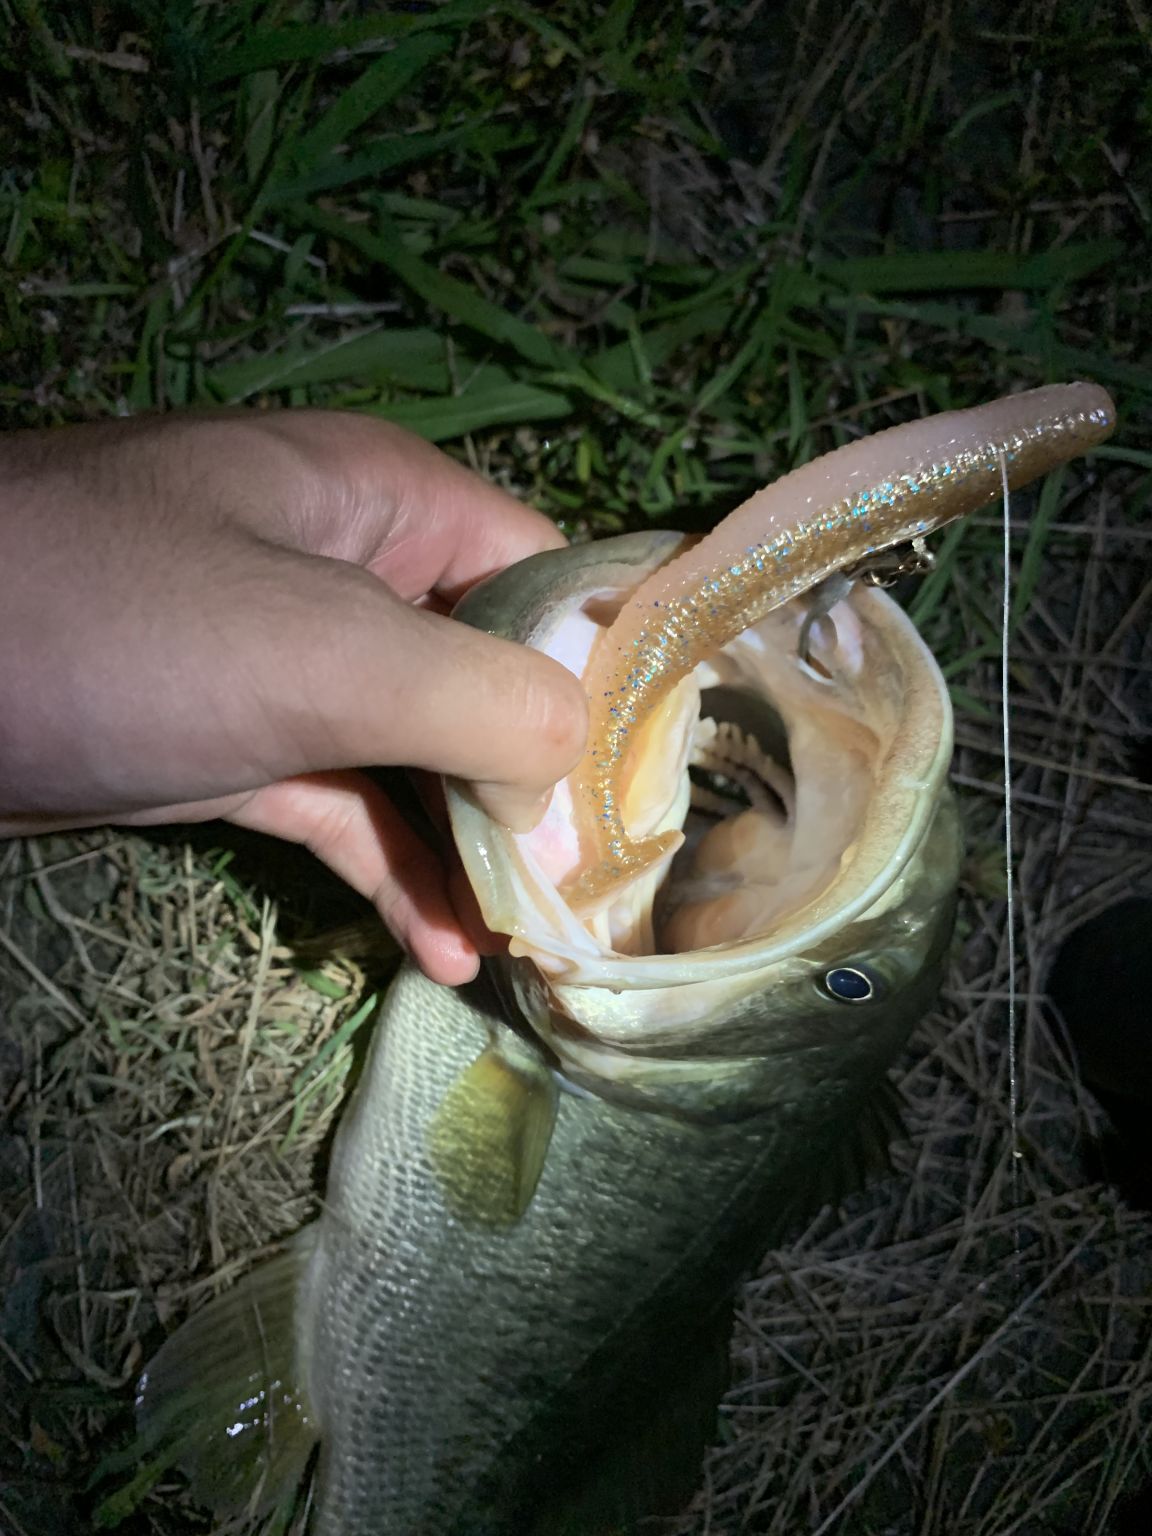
(372, 680)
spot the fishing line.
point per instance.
(1009, 861)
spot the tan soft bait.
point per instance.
(838, 513)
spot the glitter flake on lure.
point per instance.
(835, 514)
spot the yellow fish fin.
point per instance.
(489, 1138)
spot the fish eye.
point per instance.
(851, 984)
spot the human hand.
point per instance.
(230, 614)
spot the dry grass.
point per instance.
(171, 1076)
(970, 1348)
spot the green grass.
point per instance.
(535, 231)
(633, 268)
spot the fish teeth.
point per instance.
(722, 747)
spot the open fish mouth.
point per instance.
(797, 778)
(790, 786)
(812, 744)
(740, 852)
(623, 881)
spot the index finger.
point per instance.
(407, 512)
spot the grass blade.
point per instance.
(414, 358)
(1032, 560)
(917, 271)
(309, 43)
(440, 420)
(388, 155)
(457, 300)
(365, 97)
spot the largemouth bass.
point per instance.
(513, 1313)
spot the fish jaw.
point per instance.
(719, 1019)
(547, 601)
(760, 1030)
(835, 514)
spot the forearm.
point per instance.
(106, 570)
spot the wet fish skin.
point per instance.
(477, 1369)
(463, 1373)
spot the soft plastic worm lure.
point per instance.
(839, 512)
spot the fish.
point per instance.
(514, 1311)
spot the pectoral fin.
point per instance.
(862, 1153)
(489, 1138)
